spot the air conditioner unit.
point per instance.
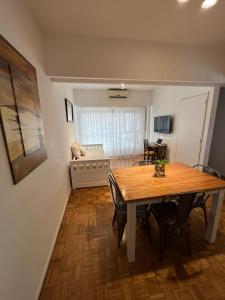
(117, 94)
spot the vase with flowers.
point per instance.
(160, 165)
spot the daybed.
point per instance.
(91, 169)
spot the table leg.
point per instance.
(214, 216)
(131, 231)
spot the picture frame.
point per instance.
(20, 112)
(69, 111)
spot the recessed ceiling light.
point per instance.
(122, 86)
(208, 3)
(182, 1)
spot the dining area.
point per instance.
(143, 237)
(141, 196)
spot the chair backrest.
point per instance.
(185, 203)
(143, 162)
(145, 145)
(208, 170)
(116, 193)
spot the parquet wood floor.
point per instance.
(87, 265)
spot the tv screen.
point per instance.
(163, 124)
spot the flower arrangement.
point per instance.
(160, 167)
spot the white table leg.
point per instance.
(131, 231)
(214, 216)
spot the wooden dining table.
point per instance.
(139, 186)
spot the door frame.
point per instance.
(204, 121)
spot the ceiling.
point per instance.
(105, 86)
(151, 20)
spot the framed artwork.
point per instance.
(69, 111)
(20, 112)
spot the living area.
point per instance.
(135, 122)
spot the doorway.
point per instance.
(190, 129)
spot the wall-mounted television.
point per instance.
(163, 124)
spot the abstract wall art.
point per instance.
(20, 112)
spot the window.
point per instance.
(121, 130)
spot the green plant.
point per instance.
(161, 162)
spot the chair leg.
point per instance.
(121, 227)
(162, 249)
(162, 237)
(205, 215)
(148, 229)
(146, 221)
(143, 223)
(186, 236)
(114, 217)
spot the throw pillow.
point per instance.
(76, 150)
(83, 151)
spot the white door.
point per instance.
(190, 129)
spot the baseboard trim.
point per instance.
(91, 184)
(51, 251)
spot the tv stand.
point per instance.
(158, 149)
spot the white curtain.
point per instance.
(121, 130)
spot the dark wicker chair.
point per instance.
(200, 200)
(120, 214)
(172, 217)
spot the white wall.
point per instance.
(97, 57)
(166, 101)
(30, 211)
(92, 97)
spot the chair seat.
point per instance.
(141, 209)
(199, 201)
(165, 212)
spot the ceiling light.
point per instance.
(208, 3)
(122, 86)
(182, 1)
